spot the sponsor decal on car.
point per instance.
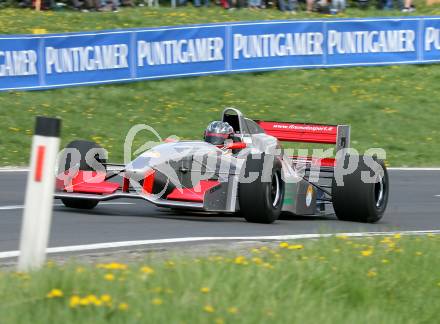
(152, 154)
(306, 128)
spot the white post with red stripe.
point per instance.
(39, 194)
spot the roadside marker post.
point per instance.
(39, 194)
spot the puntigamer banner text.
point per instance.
(49, 61)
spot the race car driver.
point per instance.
(218, 132)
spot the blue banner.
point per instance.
(31, 62)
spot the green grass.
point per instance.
(336, 280)
(395, 108)
(21, 21)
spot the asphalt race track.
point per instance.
(413, 206)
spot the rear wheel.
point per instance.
(359, 201)
(83, 147)
(261, 202)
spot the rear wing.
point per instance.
(338, 135)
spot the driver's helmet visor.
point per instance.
(215, 138)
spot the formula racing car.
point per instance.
(238, 168)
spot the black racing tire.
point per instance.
(79, 203)
(357, 201)
(261, 202)
(83, 147)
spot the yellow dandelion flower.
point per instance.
(232, 310)
(157, 289)
(55, 293)
(342, 237)
(109, 277)
(209, 308)
(257, 260)
(267, 265)
(112, 266)
(123, 306)
(219, 321)
(39, 31)
(240, 260)
(147, 270)
(74, 301)
(92, 299)
(284, 245)
(391, 245)
(97, 302)
(385, 261)
(118, 266)
(80, 270)
(84, 301)
(170, 264)
(366, 253)
(397, 236)
(157, 301)
(296, 247)
(335, 88)
(371, 273)
(418, 253)
(264, 248)
(386, 240)
(106, 298)
(205, 290)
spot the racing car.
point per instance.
(240, 167)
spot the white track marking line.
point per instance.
(112, 245)
(13, 207)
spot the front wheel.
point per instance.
(83, 147)
(79, 203)
(358, 200)
(261, 201)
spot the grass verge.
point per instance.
(336, 280)
(395, 108)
